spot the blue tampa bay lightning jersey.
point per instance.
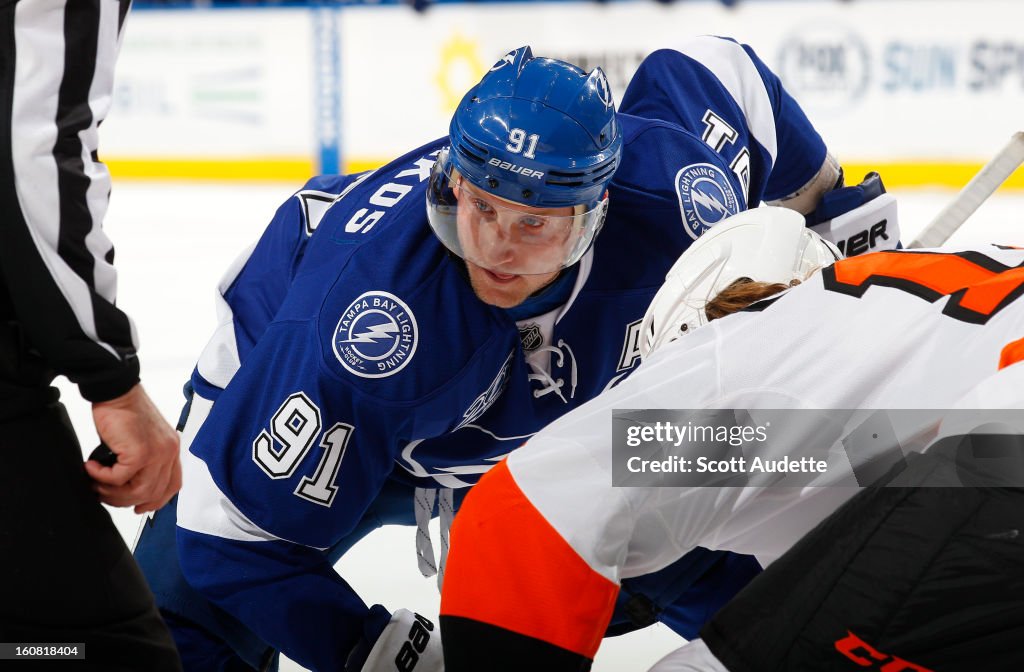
(352, 349)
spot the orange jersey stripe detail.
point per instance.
(508, 567)
(986, 296)
(1011, 354)
(944, 274)
(939, 272)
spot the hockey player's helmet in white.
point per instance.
(535, 132)
(765, 244)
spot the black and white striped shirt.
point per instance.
(57, 279)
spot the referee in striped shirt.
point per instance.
(66, 576)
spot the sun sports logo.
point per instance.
(415, 644)
(869, 658)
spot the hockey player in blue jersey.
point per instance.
(375, 355)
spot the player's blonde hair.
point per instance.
(741, 293)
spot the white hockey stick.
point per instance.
(981, 186)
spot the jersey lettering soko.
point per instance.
(907, 329)
(352, 351)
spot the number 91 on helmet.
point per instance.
(522, 187)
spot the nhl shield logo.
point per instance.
(376, 335)
(705, 197)
(530, 337)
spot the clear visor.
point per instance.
(502, 236)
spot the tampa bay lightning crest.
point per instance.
(376, 335)
(705, 197)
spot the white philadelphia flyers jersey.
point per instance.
(891, 330)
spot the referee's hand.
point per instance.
(147, 472)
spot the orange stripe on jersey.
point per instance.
(508, 567)
(1011, 354)
(986, 296)
(944, 274)
(982, 285)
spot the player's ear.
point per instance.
(457, 188)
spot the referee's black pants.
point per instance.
(66, 575)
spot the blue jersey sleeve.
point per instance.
(723, 93)
(297, 450)
(255, 286)
(669, 189)
(297, 458)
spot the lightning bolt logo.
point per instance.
(709, 202)
(706, 197)
(374, 333)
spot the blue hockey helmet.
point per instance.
(538, 140)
